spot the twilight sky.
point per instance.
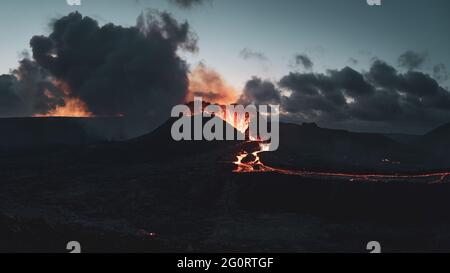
(332, 33)
(269, 39)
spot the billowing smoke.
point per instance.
(117, 70)
(10, 103)
(113, 70)
(28, 90)
(205, 82)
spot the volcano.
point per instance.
(153, 193)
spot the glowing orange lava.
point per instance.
(73, 107)
(241, 124)
(255, 165)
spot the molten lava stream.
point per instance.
(251, 163)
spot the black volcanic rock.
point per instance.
(301, 146)
(194, 199)
(50, 132)
(27, 133)
(160, 143)
(157, 146)
(310, 146)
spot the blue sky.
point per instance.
(329, 32)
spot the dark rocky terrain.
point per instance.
(155, 195)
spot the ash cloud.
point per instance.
(114, 70)
(132, 71)
(28, 90)
(10, 103)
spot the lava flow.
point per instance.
(250, 162)
(240, 123)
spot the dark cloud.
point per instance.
(115, 69)
(248, 54)
(313, 96)
(351, 83)
(412, 60)
(380, 96)
(384, 75)
(10, 103)
(28, 90)
(304, 61)
(258, 91)
(36, 89)
(187, 4)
